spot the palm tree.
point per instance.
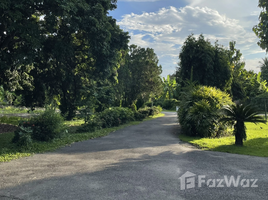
(238, 114)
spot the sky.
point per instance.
(165, 24)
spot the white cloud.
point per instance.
(253, 64)
(168, 28)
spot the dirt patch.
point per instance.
(7, 128)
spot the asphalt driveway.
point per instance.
(140, 162)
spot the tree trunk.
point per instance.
(238, 140)
(239, 133)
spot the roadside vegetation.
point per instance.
(255, 145)
(49, 131)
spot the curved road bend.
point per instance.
(140, 162)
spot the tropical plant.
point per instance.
(169, 87)
(264, 69)
(238, 114)
(199, 111)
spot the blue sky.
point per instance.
(164, 25)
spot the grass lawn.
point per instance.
(16, 110)
(9, 151)
(255, 145)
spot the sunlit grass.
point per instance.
(11, 120)
(16, 110)
(255, 145)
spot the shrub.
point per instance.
(94, 123)
(170, 104)
(110, 117)
(138, 116)
(23, 137)
(150, 111)
(46, 126)
(148, 104)
(199, 111)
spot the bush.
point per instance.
(45, 127)
(110, 117)
(23, 137)
(199, 112)
(94, 123)
(139, 117)
(150, 111)
(170, 104)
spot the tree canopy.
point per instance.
(261, 30)
(139, 76)
(204, 63)
(66, 45)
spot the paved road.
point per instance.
(140, 162)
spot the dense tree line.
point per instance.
(70, 51)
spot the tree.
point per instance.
(239, 114)
(139, 76)
(264, 69)
(208, 64)
(261, 30)
(169, 87)
(74, 42)
(20, 41)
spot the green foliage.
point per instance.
(139, 76)
(169, 87)
(264, 69)
(11, 120)
(93, 124)
(51, 43)
(170, 104)
(9, 151)
(115, 116)
(199, 111)
(261, 29)
(45, 127)
(110, 117)
(23, 137)
(139, 116)
(247, 85)
(255, 145)
(239, 114)
(204, 63)
(150, 111)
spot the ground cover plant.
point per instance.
(255, 145)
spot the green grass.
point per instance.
(11, 120)
(16, 110)
(9, 151)
(255, 145)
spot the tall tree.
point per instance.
(261, 30)
(139, 76)
(74, 41)
(204, 63)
